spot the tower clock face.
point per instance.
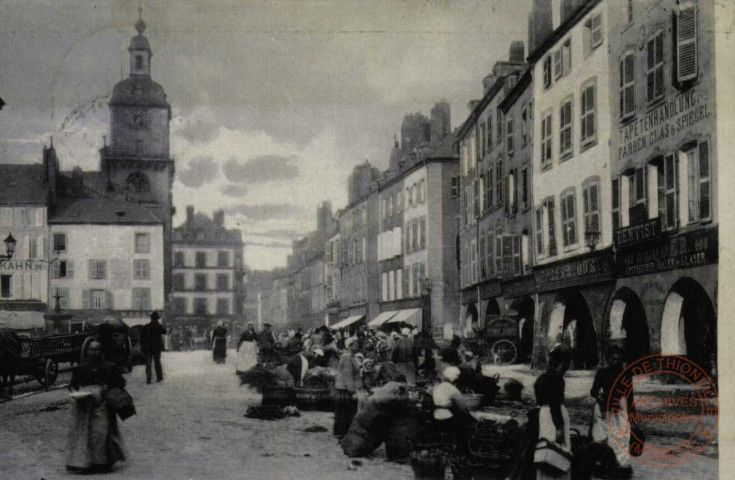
(139, 119)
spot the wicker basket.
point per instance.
(472, 400)
(315, 399)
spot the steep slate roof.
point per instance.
(201, 223)
(100, 211)
(23, 185)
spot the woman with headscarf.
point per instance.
(94, 442)
(451, 414)
(219, 343)
(347, 384)
(550, 421)
(247, 351)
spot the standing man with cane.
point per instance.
(151, 344)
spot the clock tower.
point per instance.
(136, 164)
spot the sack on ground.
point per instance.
(401, 434)
(366, 431)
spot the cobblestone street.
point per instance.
(191, 426)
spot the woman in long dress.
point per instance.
(94, 441)
(247, 349)
(219, 343)
(550, 421)
(347, 384)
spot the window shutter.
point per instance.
(586, 208)
(55, 269)
(564, 218)
(108, 300)
(627, 85)
(686, 44)
(557, 64)
(616, 203)
(516, 254)
(539, 231)
(595, 207)
(571, 217)
(547, 71)
(552, 229)
(70, 269)
(670, 189)
(507, 251)
(498, 254)
(26, 246)
(705, 212)
(85, 299)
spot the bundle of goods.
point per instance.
(319, 377)
(271, 412)
(278, 395)
(259, 377)
(386, 416)
(492, 444)
(513, 389)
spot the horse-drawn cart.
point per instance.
(37, 357)
(498, 342)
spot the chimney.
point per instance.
(517, 52)
(189, 216)
(219, 218)
(540, 23)
(568, 7)
(440, 122)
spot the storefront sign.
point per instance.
(637, 233)
(672, 117)
(594, 268)
(22, 265)
(692, 249)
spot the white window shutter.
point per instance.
(705, 208)
(39, 217)
(26, 246)
(686, 44)
(17, 285)
(70, 269)
(41, 247)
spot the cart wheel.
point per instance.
(83, 352)
(504, 352)
(50, 372)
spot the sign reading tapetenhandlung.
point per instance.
(679, 113)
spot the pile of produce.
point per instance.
(260, 377)
(430, 462)
(271, 412)
(319, 377)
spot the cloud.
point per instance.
(199, 171)
(266, 211)
(198, 127)
(262, 168)
(234, 190)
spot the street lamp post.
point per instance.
(9, 248)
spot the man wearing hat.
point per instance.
(266, 342)
(151, 344)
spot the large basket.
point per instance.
(472, 400)
(315, 399)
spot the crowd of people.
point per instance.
(363, 361)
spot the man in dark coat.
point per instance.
(266, 343)
(151, 344)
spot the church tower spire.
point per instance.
(140, 49)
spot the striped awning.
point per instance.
(382, 318)
(347, 322)
(412, 316)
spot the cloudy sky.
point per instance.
(273, 102)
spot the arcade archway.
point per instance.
(628, 326)
(689, 324)
(570, 324)
(524, 310)
(471, 321)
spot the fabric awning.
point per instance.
(17, 320)
(135, 321)
(347, 322)
(412, 316)
(382, 318)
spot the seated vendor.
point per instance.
(451, 414)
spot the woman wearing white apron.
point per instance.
(247, 349)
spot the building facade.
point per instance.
(107, 259)
(208, 273)
(664, 156)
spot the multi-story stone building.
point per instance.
(664, 151)
(107, 258)
(24, 191)
(333, 256)
(491, 236)
(571, 179)
(208, 273)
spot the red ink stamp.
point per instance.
(674, 405)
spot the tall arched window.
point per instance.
(138, 182)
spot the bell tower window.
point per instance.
(138, 62)
(138, 182)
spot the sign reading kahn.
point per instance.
(22, 265)
(674, 116)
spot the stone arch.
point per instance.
(628, 325)
(524, 308)
(570, 323)
(689, 324)
(471, 321)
